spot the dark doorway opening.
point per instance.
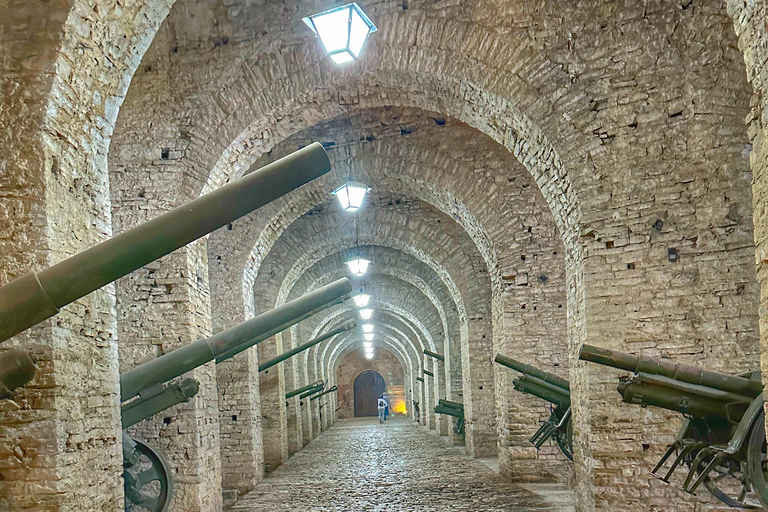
(369, 386)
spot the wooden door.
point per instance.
(369, 386)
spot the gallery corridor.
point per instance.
(359, 465)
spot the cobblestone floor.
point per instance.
(359, 465)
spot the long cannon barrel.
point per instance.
(527, 369)
(301, 348)
(427, 372)
(34, 297)
(230, 342)
(302, 389)
(420, 379)
(162, 398)
(329, 390)
(437, 356)
(311, 392)
(450, 411)
(524, 385)
(449, 403)
(677, 371)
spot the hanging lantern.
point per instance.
(366, 314)
(361, 300)
(358, 266)
(351, 195)
(368, 336)
(342, 30)
(368, 328)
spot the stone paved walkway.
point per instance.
(359, 465)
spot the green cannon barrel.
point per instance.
(303, 389)
(158, 400)
(437, 356)
(527, 369)
(301, 348)
(525, 385)
(450, 411)
(329, 390)
(311, 392)
(447, 403)
(230, 342)
(677, 371)
(427, 372)
(420, 379)
(34, 297)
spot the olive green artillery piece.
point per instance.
(435, 355)
(37, 296)
(329, 390)
(312, 391)
(427, 372)
(454, 409)
(553, 389)
(303, 389)
(722, 439)
(301, 348)
(148, 483)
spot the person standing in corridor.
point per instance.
(382, 407)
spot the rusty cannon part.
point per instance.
(36, 296)
(722, 439)
(550, 388)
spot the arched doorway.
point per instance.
(369, 386)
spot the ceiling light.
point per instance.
(366, 314)
(342, 30)
(358, 266)
(361, 300)
(368, 345)
(368, 336)
(368, 328)
(369, 355)
(350, 195)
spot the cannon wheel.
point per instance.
(148, 482)
(565, 442)
(757, 462)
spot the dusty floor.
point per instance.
(359, 465)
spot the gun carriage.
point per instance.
(454, 409)
(722, 439)
(553, 389)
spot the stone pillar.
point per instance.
(273, 410)
(479, 400)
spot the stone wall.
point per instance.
(355, 363)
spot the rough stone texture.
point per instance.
(361, 465)
(64, 70)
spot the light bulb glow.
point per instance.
(368, 345)
(368, 336)
(368, 328)
(369, 355)
(351, 195)
(366, 314)
(342, 30)
(358, 266)
(361, 300)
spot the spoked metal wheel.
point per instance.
(148, 481)
(757, 462)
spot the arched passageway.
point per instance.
(369, 387)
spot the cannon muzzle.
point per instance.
(301, 348)
(34, 297)
(676, 371)
(230, 342)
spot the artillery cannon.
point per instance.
(301, 348)
(37, 296)
(454, 409)
(298, 391)
(435, 355)
(553, 389)
(427, 372)
(148, 483)
(416, 411)
(722, 439)
(329, 390)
